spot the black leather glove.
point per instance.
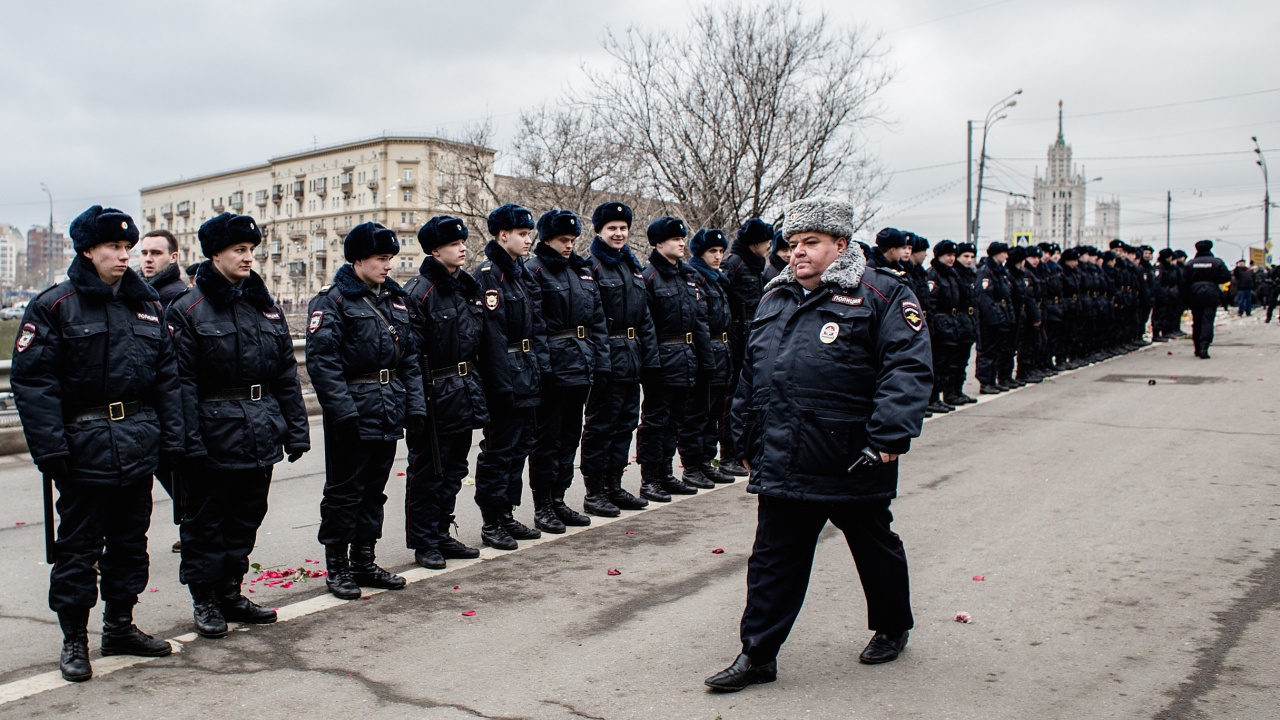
(295, 453)
(416, 431)
(349, 428)
(55, 468)
(171, 462)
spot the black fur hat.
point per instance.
(996, 248)
(705, 239)
(946, 247)
(1016, 254)
(755, 231)
(222, 231)
(610, 212)
(966, 247)
(1204, 246)
(555, 223)
(918, 244)
(779, 243)
(1179, 254)
(1034, 251)
(1070, 254)
(369, 239)
(99, 225)
(440, 231)
(890, 238)
(665, 228)
(509, 217)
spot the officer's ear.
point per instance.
(842, 244)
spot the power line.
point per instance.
(1184, 103)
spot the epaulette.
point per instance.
(325, 289)
(45, 291)
(895, 274)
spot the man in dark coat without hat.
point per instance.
(1202, 277)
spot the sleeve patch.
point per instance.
(25, 337)
(491, 299)
(313, 324)
(911, 313)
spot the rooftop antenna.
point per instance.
(1060, 121)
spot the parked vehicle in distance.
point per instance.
(15, 312)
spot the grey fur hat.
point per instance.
(818, 214)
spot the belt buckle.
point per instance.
(524, 345)
(631, 333)
(688, 338)
(462, 369)
(255, 392)
(582, 332)
(384, 377)
(724, 337)
(115, 411)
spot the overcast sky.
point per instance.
(100, 99)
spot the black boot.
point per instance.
(121, 637)
(733, 467)
(693, 477)
(674, 486)
(238, 608)
(544, 517)
(367, 573)
(74, 660)
(339, 579)
(713, 474)
(597, 501)
(519, 530)
(566, 514)
(651, 479)
(620, 498)
(493, 533)
(743, 673)
(429, 558)
(450, 547)
(207, 612)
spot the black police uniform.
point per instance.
(997, 318)
(168, 283)
(946, 332)
(745, 272)
(1030, 340)
(576, 354)
(613, 408)
(449, 319)
(684, 350)
(827, 374)
(242, 402)
(96, 383)
(967, 314)
(698, 434)
(512, 305)
(1200, 287)
(363, 362)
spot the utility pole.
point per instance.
(1168, 212)
(1004, 104)
(1266, 203)
(968, 195)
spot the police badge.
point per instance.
(491, 299)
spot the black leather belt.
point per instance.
(382, 377)
(685, 339)
(578, 332)
(521, 346)
(253, 392)
(630, 334)
(113, 411)
(724, 337)
(462, 369)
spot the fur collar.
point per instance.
(777, 262)
(754, 262)
(663, 265)
(845, 272)
(942, 268)
(459, 281)
(222, 293)
(711, 274)
(353, 287)
(607, 255)
(84, 276)
(554, 260)
(172, 273)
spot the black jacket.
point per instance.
(348, 344)
(1049, 275)
(945, 299)
(684, 347)
(1242, 279)
(577, 347)
(775, 266)
(745, 271)
(1201, 277)
(513, 306)
(1026, 293)
(449, 320)
(1166, 277)
(995, 296)
(168, 283)
(82, 347)
(967, 308)
(918, 277)
(713, 289)
(235, 337)
(846, 367)
(620, 282)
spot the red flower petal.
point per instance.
(468, 613)
(252, 590)
(631, 532)
(457, 587)
(718, 551)
(979, 578)
(288, 584)
(154, 590)
(399, 474)
(366, 597)
(963, 617)
(614, 571)
(20, 522)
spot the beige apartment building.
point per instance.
(306, 202)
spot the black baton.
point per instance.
(48, 519)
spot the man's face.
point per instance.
(918, 257)
(373, 270)
(1147, 255)
(1071, 263)
(234, 262)
(516, 242)
(672, 248)
(615, 234)
(966, 259)
(1000, 258)
(812, 253)
(898, 254)
(784, 253)
(949, 259)
(1056, 256)
(761, 249)
(713, 256)
(155, 255)
(451, 256)
(1033, 260)
(110, 260)
(562, 244)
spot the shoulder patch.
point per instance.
(491, 299)
(313, 324)
(847, 300)
(25, 337)
(911, 313)
(986, 283)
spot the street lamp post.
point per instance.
(974, 210)
(1266, 202)
(49, 238)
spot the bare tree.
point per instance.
(467, 187)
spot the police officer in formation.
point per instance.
(158, 251)
(449, 323)
(575, 358)
(700, 433)
(1201, 283)
(363, 361)
(613, 406)
(952, 328)
(745, 268)
(997, 321)
(779, 256)
(243, 404)
(96, 382)
(513, 305)
(967, 313)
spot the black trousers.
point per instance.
(557, 433)
(1202, 325)
(430, 497)
(356, 473)
(697, 436)
(959, 369)
(612, 414)
(222, 512)
(106, 526)
(661, 414)
(505, 447)
(782, 559)
(995, 354)
(1030, 348)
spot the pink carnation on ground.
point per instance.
(963, 617)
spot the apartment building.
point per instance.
(307, 201)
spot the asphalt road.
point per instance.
(1127, 535)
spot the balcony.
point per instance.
(346, 184)
(184, 208)
(217, 206)
(150, 215)
(260, 198)
(275, 250)
(373, 184)
(408, 182)
(277, 194)
(260, 253)
(167, 210)
(297, 234)
(236, 201)
(299, 189)
(320, 231)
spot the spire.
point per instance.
(1060, 139)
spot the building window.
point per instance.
(408, 196)
(408, 174)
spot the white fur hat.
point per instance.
(819, 214)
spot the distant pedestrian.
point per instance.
(1200, 286)
(1243, 282)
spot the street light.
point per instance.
(972, 214)
(49, 239)
(1266, 202)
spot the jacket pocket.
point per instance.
(86, 345)
(827, 442)
(224, 429)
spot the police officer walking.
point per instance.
(745, 268)
(1200, 289)
(513, 307)
(823, 423)
(684, 355)
(363, 363)
(698, 435)
(96, 383)
(576, 357)
(242, 401)
(449, 318)
(613, 407)
(159, 266)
